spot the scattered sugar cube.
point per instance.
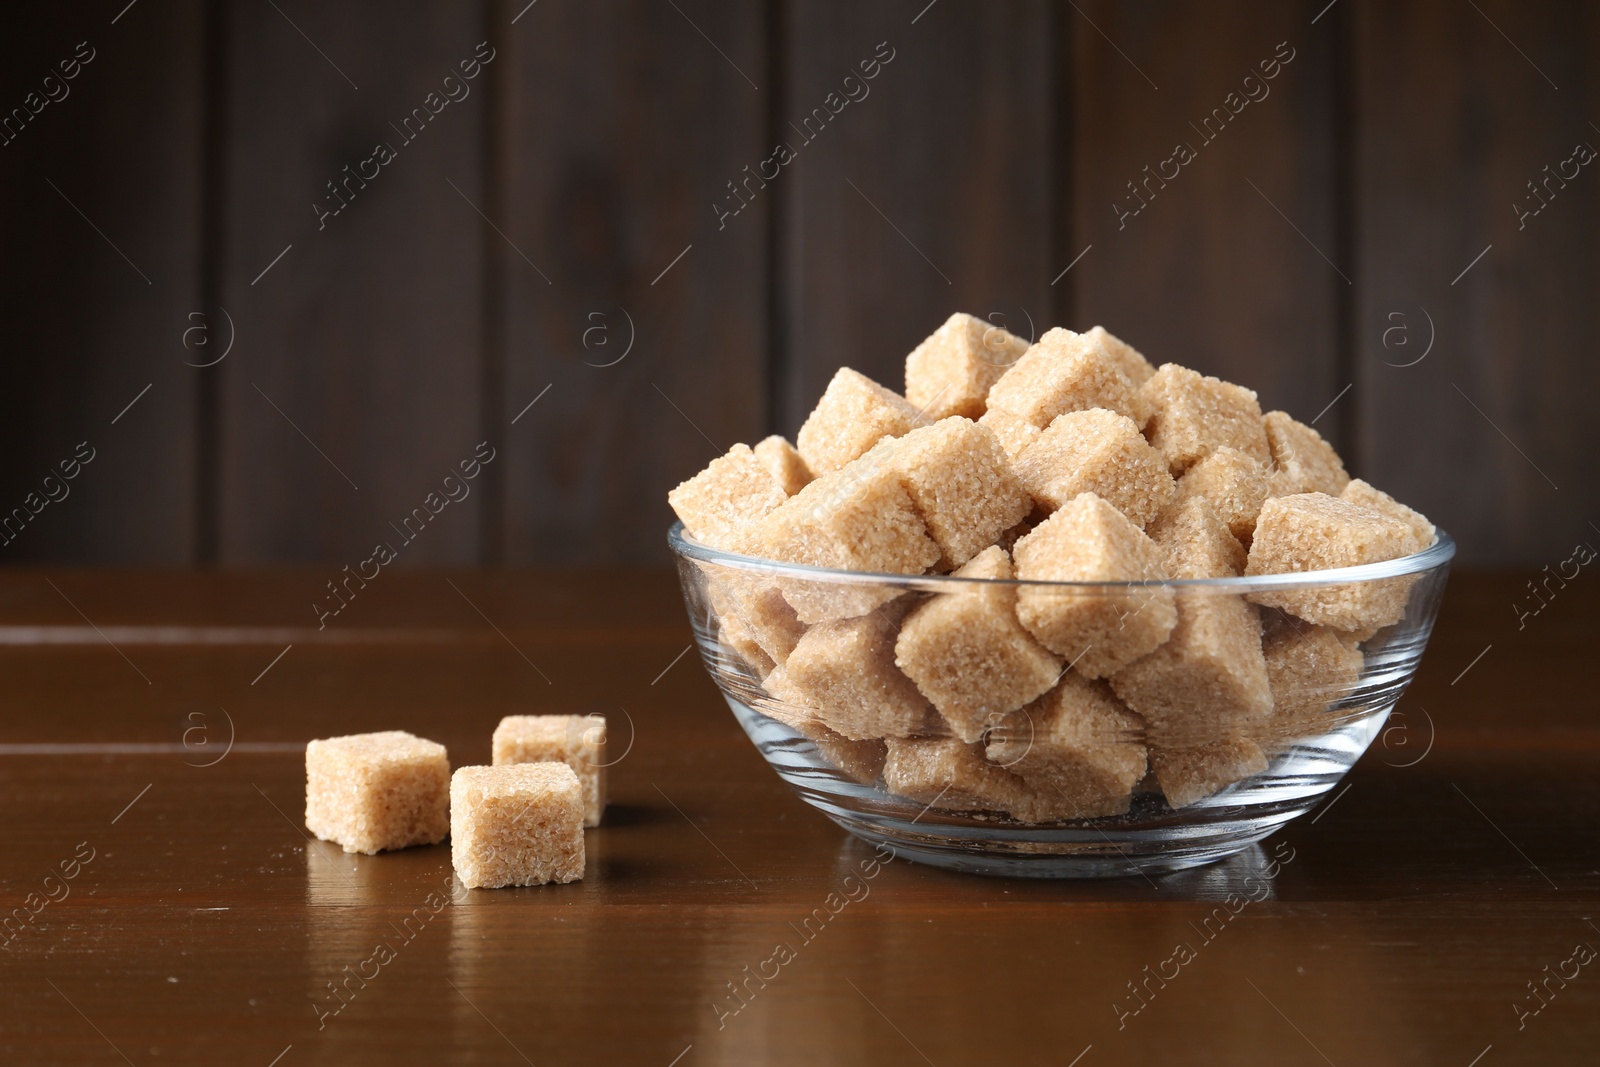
(1064, 372)
(1078, 749)
(373, 792)
(844, 672)
(1233, 484)
(1099, 631)
(1133, 366)
(1308, 667)
(1302, 461)
(853, 414)
(728, 496)
(952, 371)
(579, 741)
(783, 462)
(1193, 415)
(516, 824)
(1012, 431)
(960, 483)
(1096, 451)
(1209, 678)
(1196, 543)
(968, 654)
(950, 773)
(1190, 774)
(1314, 531)
(1359, 492)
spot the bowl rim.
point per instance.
(1433, 558)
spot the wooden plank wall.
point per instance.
(578, 228)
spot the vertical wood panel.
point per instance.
(366, 334)
(934, 194)
(1209, 273)
(86, 330)
(1453, 122)
(624, 124)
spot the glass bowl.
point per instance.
(1067, 784)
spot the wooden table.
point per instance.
(201, 926)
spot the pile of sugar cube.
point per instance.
(518, 822)
(1068, 460)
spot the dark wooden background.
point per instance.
(568, 201)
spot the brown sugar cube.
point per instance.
(1064, 372)
(950, 773)
(751, 609)
(1301, 459)
(1359, 492)
(1308, 667)
(1099, 631)
(1100, 452)
(1133, 366)
(968, 654)
(373, 792)
(1194, 773)
(516, 824)
(844, 673)
(1193, 415)
(961, 484)
(1209, 678)
(952, 371)
(579, 741)
(1196, 543)
(783, 462)
(1012, 431)
(1233, 484)
(860, 761)
(1076, 747)
(726, 497)
(738, 638)
(1314, 531)
(853, 414)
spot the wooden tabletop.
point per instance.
(1441, 908)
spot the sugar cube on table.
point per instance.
(951, 372)
(1012, 431)
(951, 774)
(1098, 630)
(516, 824)
(1196, 543)
(378, 791)
(1096, 451)
(844, 672)
(727, 497)
(1078, 749)
(1308, 668)
(968, 654)
(854, 413)
(1193, 415)
(1314, 531)
(1359, 492)
(1302, 461)
(1190, 774)
(579, 741)
(1233, 484)
(960, 482)
(1064, 372)
(784, 463)
(1128, 360)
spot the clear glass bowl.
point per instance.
(1019, 793)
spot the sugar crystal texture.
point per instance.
(379, 791)
(1064, 372)
(1309, 667)
(579, 741)
(1359, 492)
(783, 462)
(1195, 541)
(1077, 748)
(727, 497)
(1233, 484)
(1302, 461)
(516, 824)
(950, 773)
(1098, 630)
(1096, 451)
(1129, 361)
(1314, 531)
(968, 654)
(1012, 431)
(750, 608)
(1193, 415)
(1187, 775)
(854, 413)
(860, 761)
(844, 673)
(952, 371)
